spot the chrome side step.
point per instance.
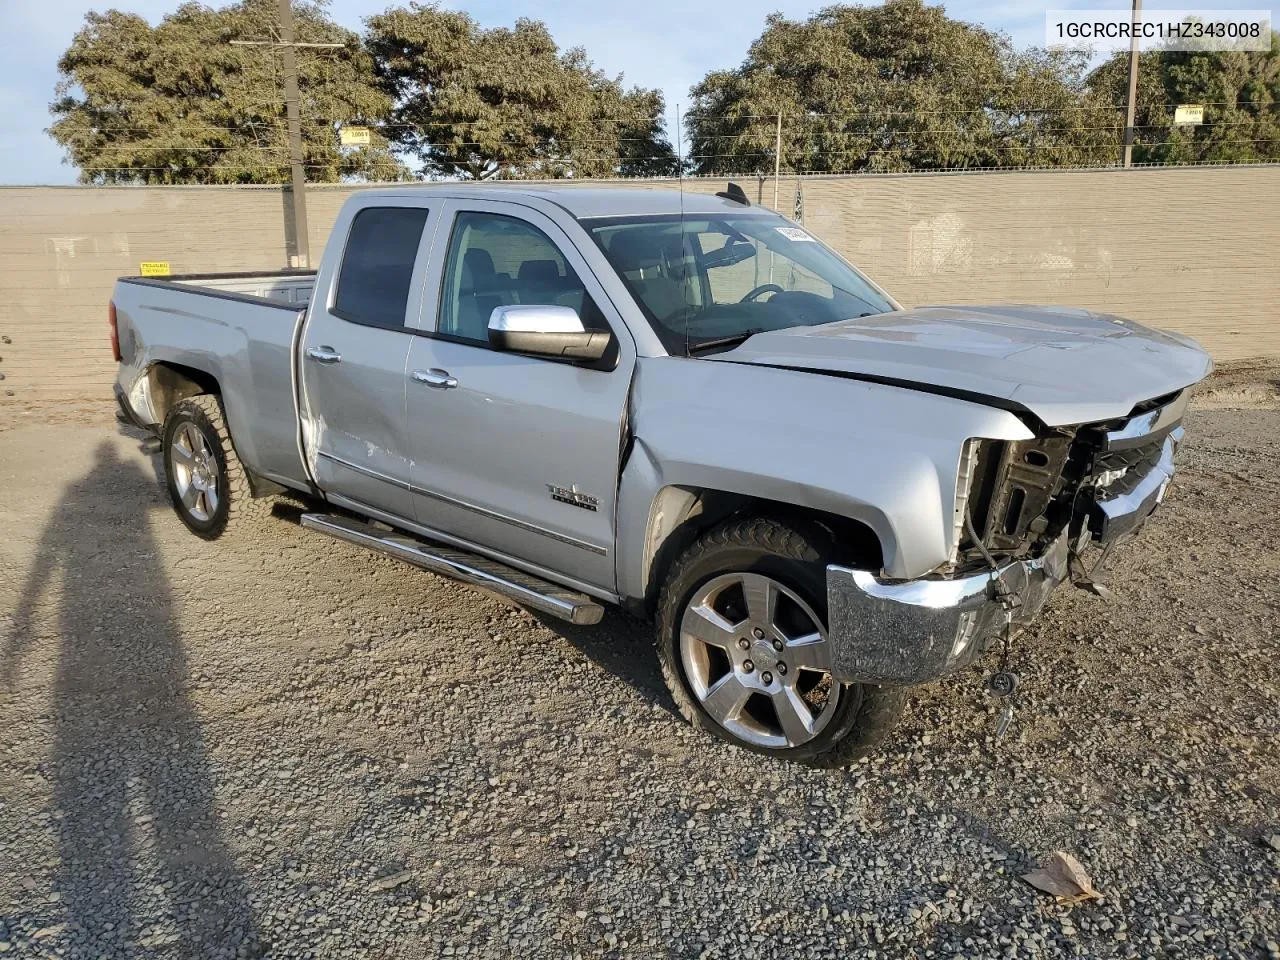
(527, 590)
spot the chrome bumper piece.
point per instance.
(1112, 518)
(916, 631)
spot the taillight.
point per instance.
(115, 332)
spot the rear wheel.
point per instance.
(744, 646)
(207, 483)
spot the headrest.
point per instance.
(478, 261)
(636, 248)
(539, 272)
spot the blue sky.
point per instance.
(667, 44)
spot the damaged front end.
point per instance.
(1029, 514)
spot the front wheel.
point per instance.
(744, 648)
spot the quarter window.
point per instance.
(377, 266)
(496, 261)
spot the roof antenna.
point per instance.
(735, 193)
(683, 239)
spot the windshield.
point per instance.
(723, 278)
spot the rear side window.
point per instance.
(377, 266)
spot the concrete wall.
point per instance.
(1196, 249)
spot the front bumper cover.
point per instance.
(915, 631)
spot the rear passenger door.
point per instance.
(516, 454)
(354, 351)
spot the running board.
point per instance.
(527, 590)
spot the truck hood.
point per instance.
(1061, 364)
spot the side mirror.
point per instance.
(545, 331)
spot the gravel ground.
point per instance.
(285, 746)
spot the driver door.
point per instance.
(514, 454)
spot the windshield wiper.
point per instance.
(732, 341)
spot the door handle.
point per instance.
(435, 377)
(324, 354)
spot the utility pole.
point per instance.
(679, 146)
(1131, 104)
(777, 160)
(293, 117)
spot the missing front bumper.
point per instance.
(915, 631)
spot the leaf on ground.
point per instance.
(1062, 876)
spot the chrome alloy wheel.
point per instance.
(195, 471)
(756, 657)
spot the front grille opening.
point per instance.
(1013, 513)
(1146, 406)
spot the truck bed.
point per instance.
(237, 327)
(289, 287)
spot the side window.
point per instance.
(496, 261)
(377, 266)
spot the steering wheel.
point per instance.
(759, 291)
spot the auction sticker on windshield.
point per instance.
(793, 233)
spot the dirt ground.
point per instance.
(283, 745)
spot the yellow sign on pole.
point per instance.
(354, 136)
(1188, 114)
(154, 268)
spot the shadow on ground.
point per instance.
(623, 646)
(133, 795)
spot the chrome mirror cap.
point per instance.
(546, 331)
(535, 318)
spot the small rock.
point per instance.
(390, 883)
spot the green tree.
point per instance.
(507, 103)
(178, 103)
(1240, 92)
(896, 87)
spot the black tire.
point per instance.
(235, 503)
(795, 555)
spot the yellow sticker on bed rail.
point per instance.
(154, 268)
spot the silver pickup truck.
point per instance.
(681, 404)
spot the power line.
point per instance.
(959, 111)
(278, 124)
(1039, 131)
(535, 162)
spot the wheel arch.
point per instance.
(169, 382)
(679, 514)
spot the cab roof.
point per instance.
(591, 202)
